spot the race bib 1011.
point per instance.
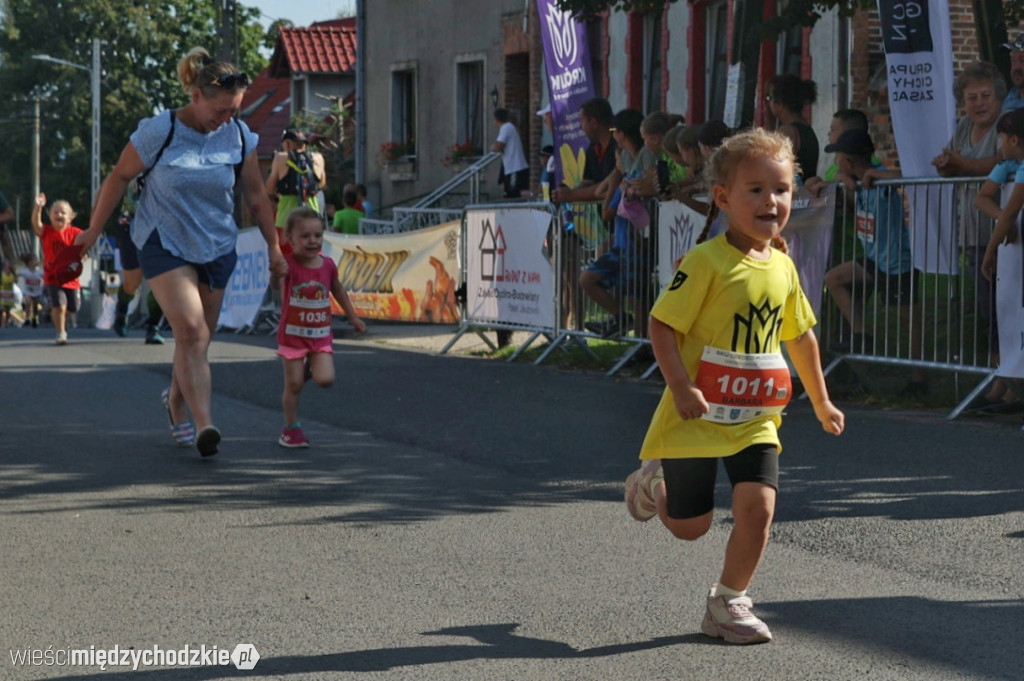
(741, 387)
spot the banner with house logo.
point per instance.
(808, 233)
(570, 84)
(248, 284)
(919, 64)
(508, 275)
(407, 277)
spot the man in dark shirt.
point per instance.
(596, 121)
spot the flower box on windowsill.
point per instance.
(401, 169)
(461, 164)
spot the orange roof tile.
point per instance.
(329, 47)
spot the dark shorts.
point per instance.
(129, 254)
(690, 483)
(619, 271)
(516, 183)
(63, 297)
(895, 289)
(155, 260)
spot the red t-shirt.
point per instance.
(54, 242)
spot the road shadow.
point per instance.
(423, 436)
(488, 642)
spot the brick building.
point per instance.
(433, 83)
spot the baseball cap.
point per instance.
(545, 110)
(294, 134)
(1017, 44)
(67, 266)
(547, 150)
(856, 142)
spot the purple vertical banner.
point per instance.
(570, 83)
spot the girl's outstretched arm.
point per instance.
(803, 350)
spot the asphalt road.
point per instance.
(460, 518)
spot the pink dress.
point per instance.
(306, 310)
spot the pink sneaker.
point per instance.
(293, 438)
(731, 619)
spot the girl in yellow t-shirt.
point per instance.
(716, 332)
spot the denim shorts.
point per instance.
(155, 260)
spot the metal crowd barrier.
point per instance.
(939, 313)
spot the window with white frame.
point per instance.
(403, 106)
(469, 102)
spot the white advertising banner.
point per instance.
(249, 281)
(678, 229)
(409, 277)
(809, 236)
(1010, 305)
(919, 62)
(508, 276)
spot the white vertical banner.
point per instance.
(809, 236)
(508, 275)
(248, 283)
(1010, 302)
(919, 63)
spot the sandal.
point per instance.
(184, 433)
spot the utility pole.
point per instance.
(228, 20)
(35, 163)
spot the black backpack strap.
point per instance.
(241, 138)
(160, 152)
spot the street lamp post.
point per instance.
(94, 73)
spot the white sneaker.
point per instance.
(731, 619)
(62, 338)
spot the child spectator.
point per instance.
(842, 120)
(304, 339)
(887, 268)
(733, 301)
(363, 203)
(31, 276)
(8, 278)
(712, 134)
(347, 219)
(55, 237)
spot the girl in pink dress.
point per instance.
(304, 338)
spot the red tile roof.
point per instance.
(266, 109)
(325, 47)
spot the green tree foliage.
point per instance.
(141, 44)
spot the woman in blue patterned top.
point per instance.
(185, 229)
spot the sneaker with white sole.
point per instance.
(731, 619)
(62, 338)
(639, 500)
(293, 438)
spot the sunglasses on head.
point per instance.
(231, 81)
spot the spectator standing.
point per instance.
(347, 219)
(515, 170)
(31, 277)
(6, 215)
(596, 122)
(296, 176)
(1015, 97)
(787, 97)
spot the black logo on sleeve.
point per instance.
(677, 280)
(756, 332)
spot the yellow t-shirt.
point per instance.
(723, 299)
